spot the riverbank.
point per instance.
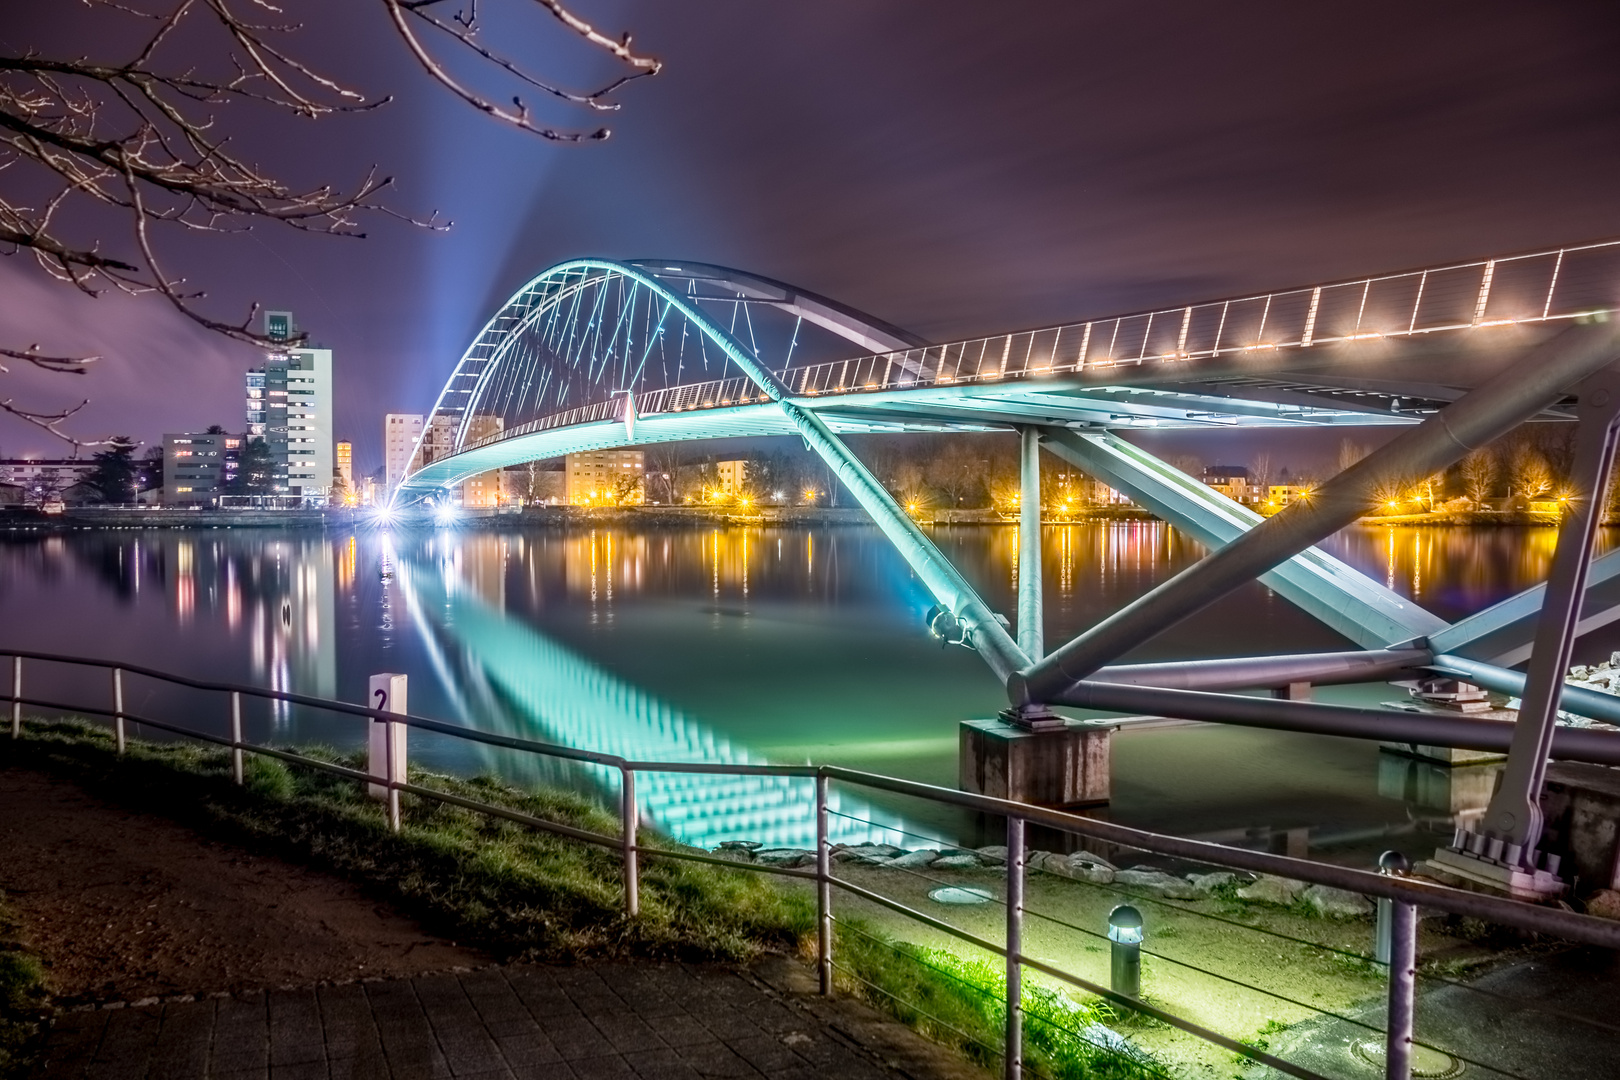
(87, 518)
(514, 895)
(482, 886)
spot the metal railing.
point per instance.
(1539, 287)
(1404, 895)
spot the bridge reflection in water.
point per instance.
(518, 681)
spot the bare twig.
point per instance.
(143, 138)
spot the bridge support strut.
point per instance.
(985, 631)
(1505, 853)
(1494, 408)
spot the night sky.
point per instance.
(954, 168)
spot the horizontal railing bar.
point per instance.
(1118, 999)
(351, 774)
(724, 768)
(715, 860)
(1138, 1005)
(1583, 928)
(438, 726)
(912, 913)
(1566, 924)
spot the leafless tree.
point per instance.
(663, 470)
(1350, 452)
(1261, 471)
(99, 159)
(1479, 475)
(957, 470)
(1528, 473)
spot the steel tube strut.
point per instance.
(1348, 601)
(1030, 615)
(950, 588)
(1594, 704)
(1503, 633)
(1484, 414)
(1514, 814)
(1421, 729)
(1251, 672)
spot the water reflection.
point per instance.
(523, 683)
(740, 644)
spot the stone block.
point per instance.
(1272, 890)
(957, 862)
(1159, 883)
(1337, 903)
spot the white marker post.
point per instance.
(387, 742)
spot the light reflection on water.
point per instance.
(732, 643)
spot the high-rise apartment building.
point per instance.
(289, 405)
(343, 462)
(198, 467)
(401, 433)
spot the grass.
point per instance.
(22, 1000)
(521, 894)
(960, 1002)
(515, 892)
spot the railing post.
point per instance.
(236, 736)
(16, 697)
(632, 816)
(1402, 989)
(824, 928)
(118, 708)
(1015, 947)
(1390, 864)
(390, 733)
(387, 739)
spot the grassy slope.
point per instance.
(513, 891)
(527, 895)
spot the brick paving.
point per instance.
(653, 1021)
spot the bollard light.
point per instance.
(1390, 864)
(1125, 933)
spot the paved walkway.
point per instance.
(654, 1021)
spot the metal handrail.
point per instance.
(1406, 894)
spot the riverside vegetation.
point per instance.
(521, 894)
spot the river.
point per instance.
(760, 644)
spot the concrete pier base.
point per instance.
(1433, 787)
(1581, 807)
(1065, 766)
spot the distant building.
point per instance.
(199, 467)
(485, 490)
(38, 479)
(289, 405)
(343, 462)
(597, 476)
(401, 433)
(438, 439)
(730, 476)
(1230, 480)
(1283, 494)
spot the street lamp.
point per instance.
(1125, 935)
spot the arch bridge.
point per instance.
(597, 354)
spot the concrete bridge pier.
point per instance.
(1067, 765)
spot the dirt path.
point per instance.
(123, 905)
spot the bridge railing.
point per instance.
(1540, 287)
(1400, 895)
(1547, 286)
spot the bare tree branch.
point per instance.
(142, 138)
